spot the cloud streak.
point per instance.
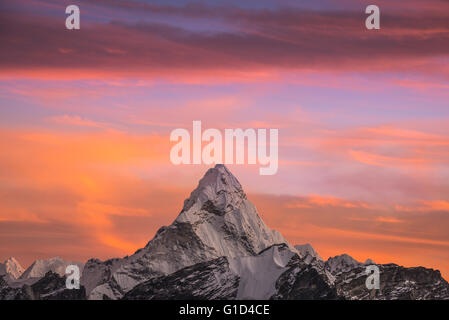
(267, 41)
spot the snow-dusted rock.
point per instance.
(206, 280)
(12, 268)
(307, 250)
(341, 263)
(262, 276)
(40, 267)
(396, 283)
(50, 287)
(305, 280)
(258, 274)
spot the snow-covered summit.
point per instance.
(341, 263)
(219, 187)
(11, 267)
(40, 267)
(224, 219)
(307, 250)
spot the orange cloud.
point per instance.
(79, 179)
(436, 205)
(327, 201)
(124, 246)
(387, 146)
(76, 121)
(389, 220)
(380, 160)
(377, 231)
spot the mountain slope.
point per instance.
(206, 280)
(305, 279)
(396, 283)
(40, 267)
(11, 267)
(307, 250)
(50, 287)
(258, 274)
(341, 263)
(263, 276)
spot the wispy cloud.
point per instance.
(76, 121)
(257, 41)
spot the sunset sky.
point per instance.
(363, 119)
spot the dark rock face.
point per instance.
(96, 271)
(53, 287)
(8, 293)
(301, 281)
(50, 287)
(209, 206)
(396, 283)
(216, 279)
(207, 280)
(304, 281)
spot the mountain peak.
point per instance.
(223, 218)
(369, 262)
(219, 190)
(220, 176)
(12, 267)
(341, 263)
(307, 250)
(40, 267)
